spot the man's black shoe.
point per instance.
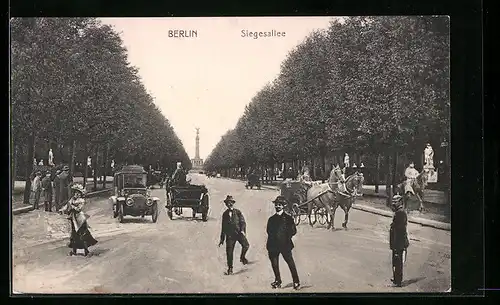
(229, 271)
(244, 261)
(296, 286)
(276, 284)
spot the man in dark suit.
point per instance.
(398, 239)
(280, 230)
(233, 230)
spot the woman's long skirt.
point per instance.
(82, 238)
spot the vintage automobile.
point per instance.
(131, 195)
(187, 195)
(253, 180)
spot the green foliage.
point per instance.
(368, 84)
(70, 80)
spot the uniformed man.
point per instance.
(398, 239)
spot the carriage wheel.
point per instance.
(321, 216)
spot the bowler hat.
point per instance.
(280, 199)
(229, 198)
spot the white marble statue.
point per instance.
(51, 157)
(346, 160)
(429, 156)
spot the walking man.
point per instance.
(398, 240)
(233, 230)
(37, 188)
(47, 192)
(280, 230)
(56, 191)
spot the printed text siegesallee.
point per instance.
(260, 34)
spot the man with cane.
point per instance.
(398, 240)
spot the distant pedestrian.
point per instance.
(47, 192)
(398, 240)
(233, 230)
(37, 189)
(64, 185)
(55, 190)
(280, 230)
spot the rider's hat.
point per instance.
(77, 187)
(228, 199)
(280, 199)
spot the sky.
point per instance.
(206, 81)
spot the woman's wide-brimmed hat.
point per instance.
(77, 187)
(229, 198)
(280, 199)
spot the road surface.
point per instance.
(182, 256)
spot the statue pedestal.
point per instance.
(429, 167)
(432, 174)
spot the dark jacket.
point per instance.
(47, 189)
(233, 226)
(179, 177)
(398, 236)
(280, 229)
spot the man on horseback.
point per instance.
(305, 177)
(411, 174)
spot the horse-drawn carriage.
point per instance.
(318, 201)
(295, 193)
(190, 196)
(131, 194)
(253, 180)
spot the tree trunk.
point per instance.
(95, 166)
(29, 168)
(14, 168)
(388, 179)
(105, 166)
(72, 160)
(377, 173)
(394, 171)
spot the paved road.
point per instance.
(181, 255)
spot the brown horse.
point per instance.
(418, 185)
(322, 196)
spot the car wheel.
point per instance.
(154, 217)
(120, 213)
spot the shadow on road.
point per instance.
(241, 271)
(412, 281)
(290, 285)
(98, 251)
(137, 220)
